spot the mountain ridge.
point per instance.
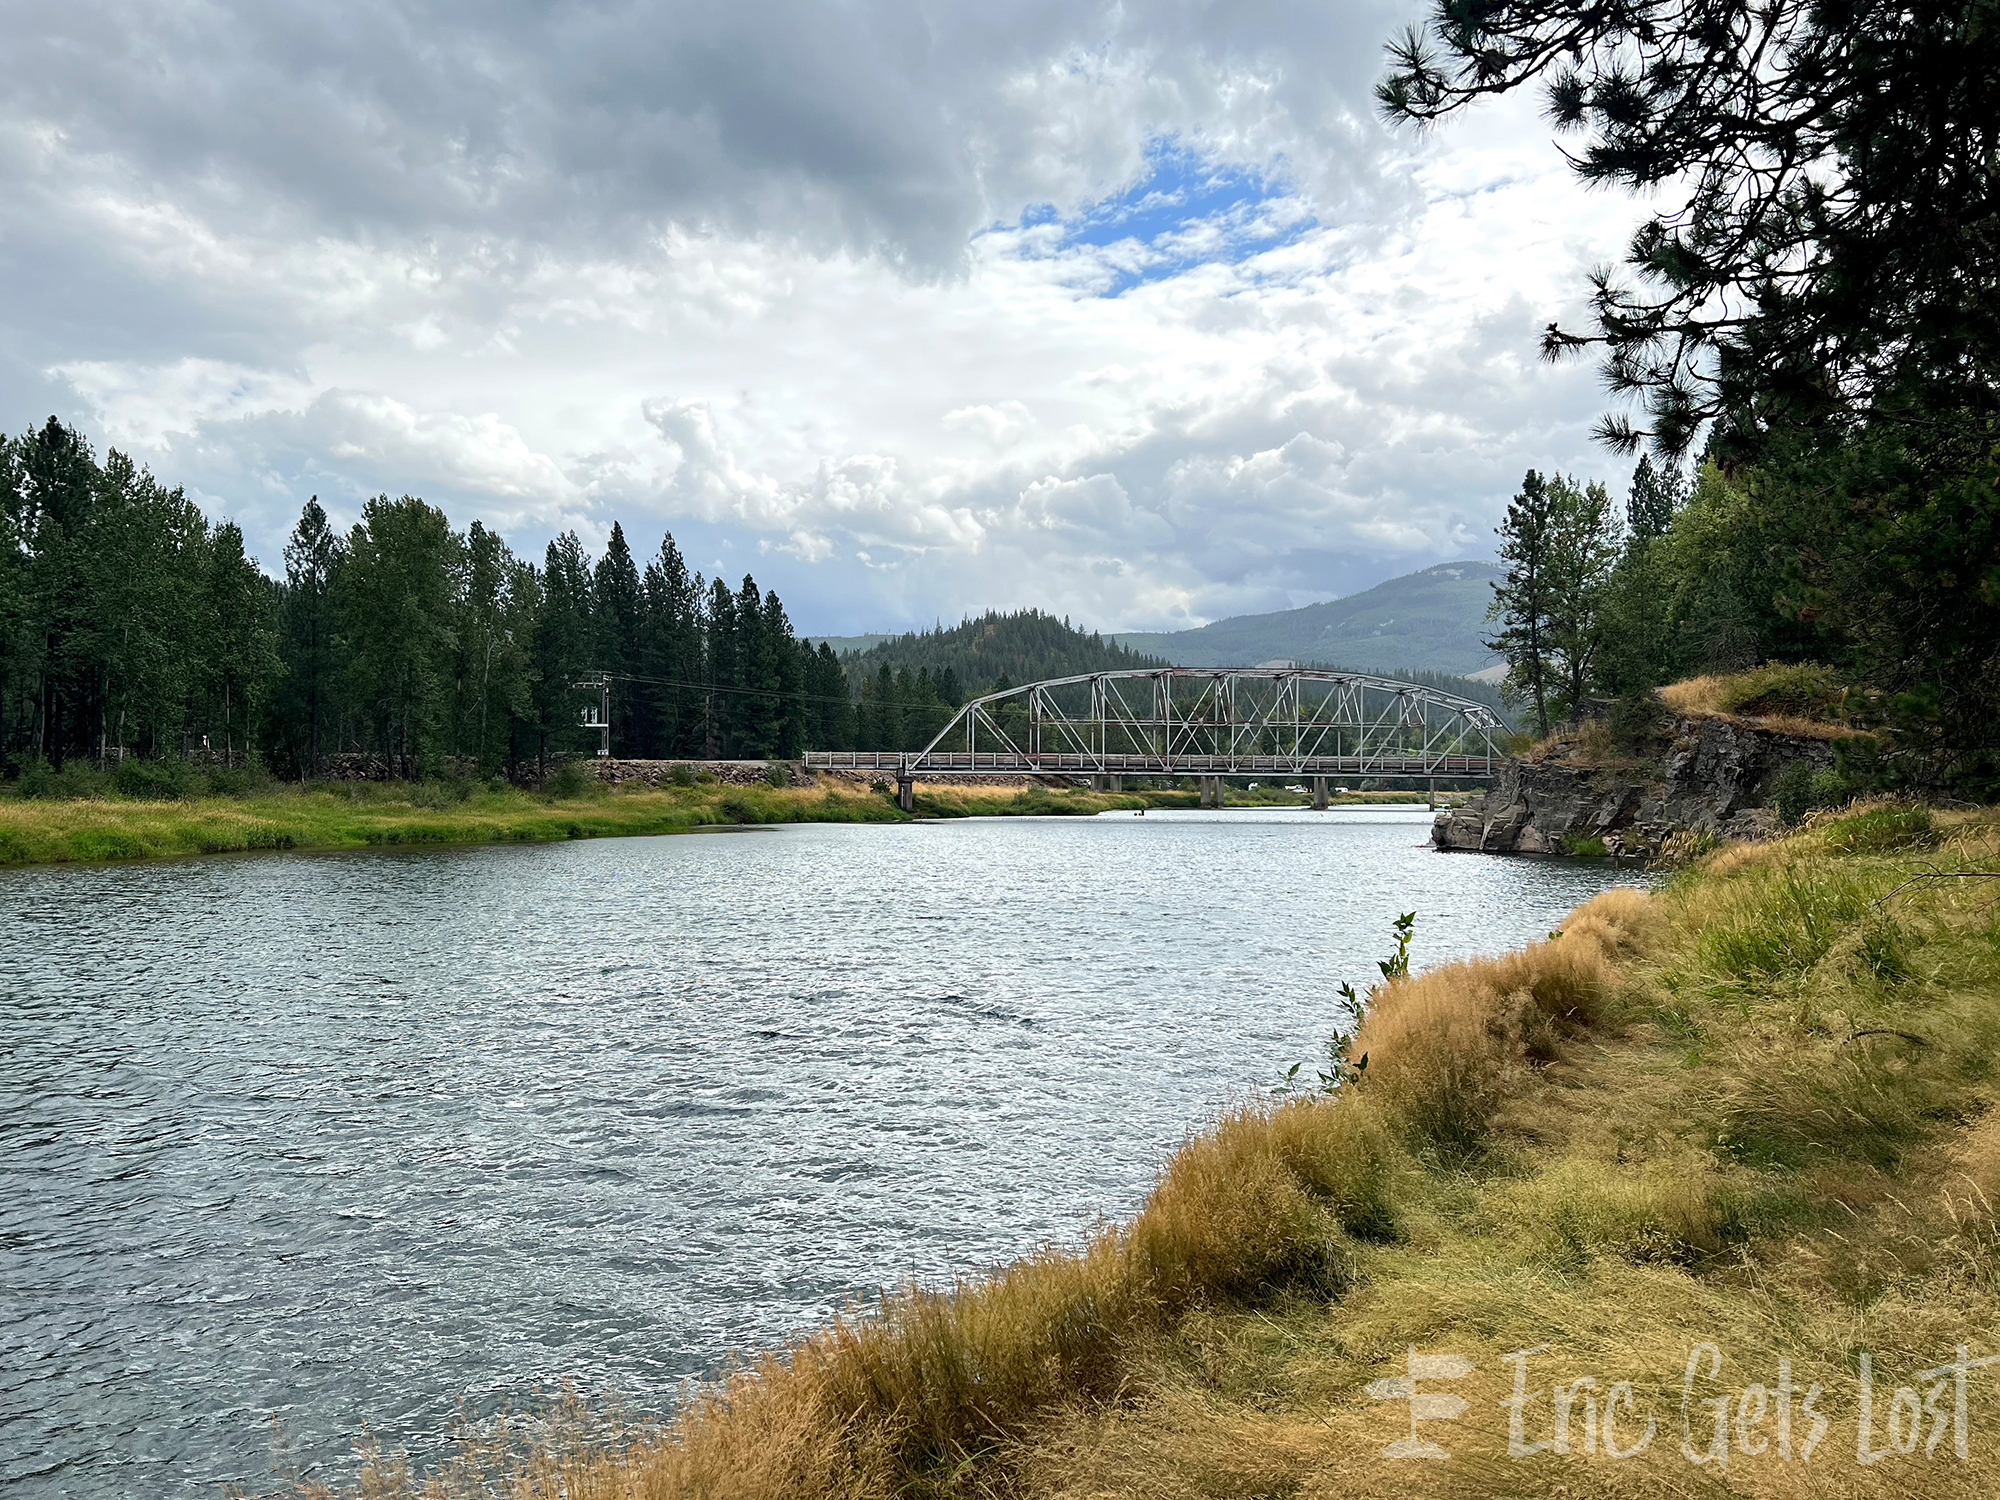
(1431, 620)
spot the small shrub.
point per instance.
(171, 780)
(682, 775)
(240, 781)
(569, 780)
(74, 782)
(739, 810)
(1639, 724)
(1883, 830)
(1803, 691)
(777, 774)
(1792, 792)
(440, 793)
(880, 787)
(1584, 846)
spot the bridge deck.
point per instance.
(959, 763)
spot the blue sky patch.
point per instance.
(1185, 211)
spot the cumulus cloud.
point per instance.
(1130, 310)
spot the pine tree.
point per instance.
(1830, 236)
(671, 654)
(1523, 602)
(305, 705)
(398, 605)
(1654, 497)
(720, 676)
(616, 615)
(1582, 549)
(565, 645)
(241, 654)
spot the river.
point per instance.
(298, 1142)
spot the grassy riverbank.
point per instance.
(52, 830)
(1752, 1110)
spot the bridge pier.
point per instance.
(906, 794)
(1107, 782)
(1211, 791)
(1319, 794)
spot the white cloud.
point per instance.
(778, 298)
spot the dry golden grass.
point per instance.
(1799, 700)
(1753, 1109)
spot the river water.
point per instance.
(298, 1142)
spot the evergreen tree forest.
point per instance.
(134, 631)
(133, 628)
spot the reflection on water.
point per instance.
(349, 1138)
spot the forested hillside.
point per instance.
(969, 658)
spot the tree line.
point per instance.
(1813, 305)
(132, 626)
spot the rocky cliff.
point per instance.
(1716, 776)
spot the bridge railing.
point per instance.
(951, 763)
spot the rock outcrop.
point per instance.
(1717, 776)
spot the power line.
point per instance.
(709, 687)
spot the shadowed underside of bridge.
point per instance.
(1186, 721)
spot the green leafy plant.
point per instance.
(1397, 966)
(1342, 1067)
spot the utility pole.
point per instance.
(597, 715)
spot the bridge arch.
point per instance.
(1203, 721)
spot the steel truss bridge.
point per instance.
(1204, 722)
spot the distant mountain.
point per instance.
(1430, 620)
(1026, 646)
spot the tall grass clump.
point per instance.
(1883, 830)
(1444, 1045)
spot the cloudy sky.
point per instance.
(1131, 311)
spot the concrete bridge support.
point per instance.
(906, 794)
(1319, 794)
(1211, 791)
(1110, 783)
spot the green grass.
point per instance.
(45, 831)
(108, 826)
